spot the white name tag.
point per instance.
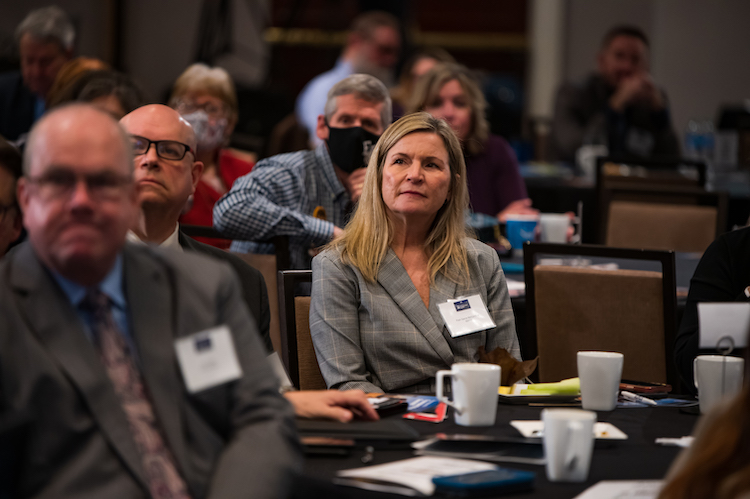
(466, 315)
(722, 320)
(208, 359)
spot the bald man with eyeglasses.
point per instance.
(166, 174)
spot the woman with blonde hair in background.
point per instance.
(374, 315)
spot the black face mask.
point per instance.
(350, 148)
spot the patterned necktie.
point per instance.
(161, 473)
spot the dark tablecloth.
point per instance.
(638, 457)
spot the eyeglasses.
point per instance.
(213, 110)
(165, 149)
(58, 184)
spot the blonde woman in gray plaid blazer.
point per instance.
(374, 314)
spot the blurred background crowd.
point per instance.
(520, 50)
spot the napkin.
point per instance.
(512, 370)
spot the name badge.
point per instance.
(207, 359)
(465, 315)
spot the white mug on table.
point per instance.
(717, 377)
(554, 227)
(599, 374)
(568, 443)
(474, 389)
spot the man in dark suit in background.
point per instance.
(112, 349)
(45, 43)
(166, 174)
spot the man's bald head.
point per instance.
(66, 118)
(163, 118)
(77, 191)
(164, 184)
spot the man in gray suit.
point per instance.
(98, 343)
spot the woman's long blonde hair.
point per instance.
(369, 234)
(428, 88)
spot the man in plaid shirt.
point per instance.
(281, 194)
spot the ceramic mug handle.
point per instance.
(439, 377)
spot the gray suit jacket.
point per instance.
(380, 337)
(232, 440)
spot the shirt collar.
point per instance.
(111, 286)
(172, 241)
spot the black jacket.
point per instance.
(253, 285)
(721, 276)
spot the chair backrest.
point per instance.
(297, 352)
(266, 265)
(200, 231)
(574, 308)
(617, 174)
(684, 219)
(668, 173)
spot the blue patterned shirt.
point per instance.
(277, 198)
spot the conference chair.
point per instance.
(687, 220)
(659, 206)
(614, 171)
(297, 351)
(631, 310)
(268, 265)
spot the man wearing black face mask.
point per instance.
(280, 195)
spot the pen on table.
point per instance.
(636, 398)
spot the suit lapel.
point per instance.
(150, 297)
(185, 241)
(57, 326)
(393, 277)
(443, 289)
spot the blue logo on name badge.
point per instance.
(203, 343)
(462, 305)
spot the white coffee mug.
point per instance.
(717, 377)
(568, 443)
(474, 390)
(554, 227)
(599, 373)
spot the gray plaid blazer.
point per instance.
(379, 336)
